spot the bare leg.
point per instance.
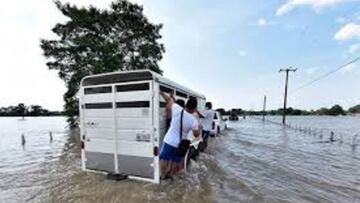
(165, 167)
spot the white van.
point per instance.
(122, 122)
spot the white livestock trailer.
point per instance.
(122, 122)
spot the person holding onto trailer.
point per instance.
(182, 122)
(180, 102)
(207, 121)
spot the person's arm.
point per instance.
(172, 95)
(169, 101)
(196, 133)
(195, 128)
(200, 115)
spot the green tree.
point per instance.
(336, 110)
(221, 111)
(20, 110)
(35, 110)
(322, 111)
(238, 111)
(100, 40)
(354, 109)
(297, 112)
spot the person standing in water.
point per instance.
(170, 159)
(207, 121)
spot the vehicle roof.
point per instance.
(134, 75)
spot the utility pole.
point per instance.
(264, 108)
(286, 90)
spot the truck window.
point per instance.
(133, 104)
(98, 90)
(165, 89)
(132, 87)
(162, 104)
(105, 105)
(181, 94)
(192, 97)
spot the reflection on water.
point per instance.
(251, 162)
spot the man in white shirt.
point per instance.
(208, 117)
(170, 158)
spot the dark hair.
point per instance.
(191, 104)
(180, 102)
(208, 105)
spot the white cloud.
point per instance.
(354, 49)
(262, 22)
(285, 9)
(315, 4)
(242, 52)
(347, 32)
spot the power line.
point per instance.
(326, 74)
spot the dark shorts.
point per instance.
(205, 134)
(170, 153)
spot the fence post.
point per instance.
(51, 137)
(23, 141)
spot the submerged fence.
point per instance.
(324, 135)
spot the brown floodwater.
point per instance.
(251, 162)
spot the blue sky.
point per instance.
(229, 50)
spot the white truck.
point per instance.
(122, 122)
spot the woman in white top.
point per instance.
(170, 158)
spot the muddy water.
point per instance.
(251, 162)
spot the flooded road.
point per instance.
(251, 162)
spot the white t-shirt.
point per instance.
(172, 136)
(208, 119)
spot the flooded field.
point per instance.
(251, 162)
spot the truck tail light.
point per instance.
(82, 142)
(156, 151)
(213, 125)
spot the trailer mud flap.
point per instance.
(136, 166)
(100, 161)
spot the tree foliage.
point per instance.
(221, 111)
(23, 110)
(335, 110)
(355, 109)
(322, 111)
(96, 41)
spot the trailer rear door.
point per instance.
(97, 128)
(134, 122)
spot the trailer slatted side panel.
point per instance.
(134, 128)
(98, 121)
